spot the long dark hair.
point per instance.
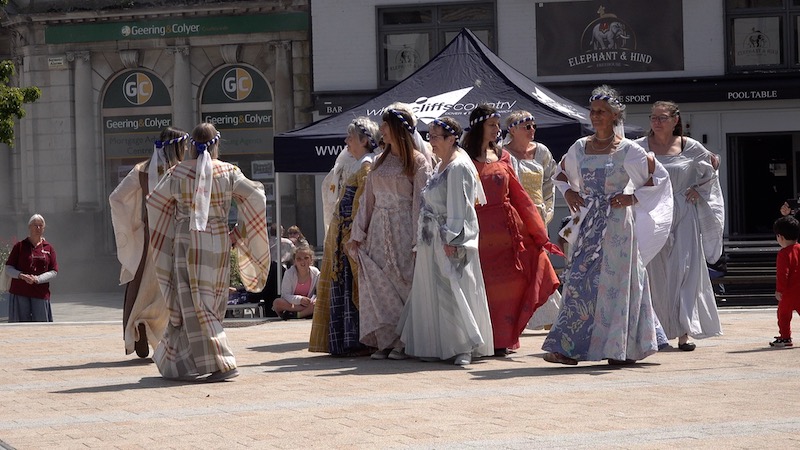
(402, 138)
(672, 107)
(173, 152)
(473, 140)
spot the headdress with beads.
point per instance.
(399, 114)
(160, 158)
(366, 133)
(446, 127)
(520, 121)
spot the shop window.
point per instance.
(409, 37)
(763, 35)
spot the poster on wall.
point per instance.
(262, 169)
(612, 36)
(757, 41)
(269, 191)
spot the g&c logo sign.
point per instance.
(237, 84)
(137, 88)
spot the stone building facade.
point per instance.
(112, 77)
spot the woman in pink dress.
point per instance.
(384, 233)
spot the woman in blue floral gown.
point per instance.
(621, 200)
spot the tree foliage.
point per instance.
(11, 100)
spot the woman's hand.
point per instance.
(449, 250)
(692, 196)
(623, 201)
(785, 209)
(574, 200)
(30, 279)
(305, 301)
(352, 248)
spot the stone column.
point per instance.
(87, 155)
(182, 111)
(283, 100)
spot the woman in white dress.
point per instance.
(447, 314)
(683, 297)
(534, 165)
(384, 233)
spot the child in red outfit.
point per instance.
(787, 286)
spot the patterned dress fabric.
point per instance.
(607, 311)
(143, 303)
(516, 269)
(335, 327)
(193, 267)
(386, 227)
(683, 297)
(447, 313)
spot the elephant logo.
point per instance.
(609, 35)
(756, 39)
(608, 32)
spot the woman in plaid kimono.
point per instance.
(188, 212)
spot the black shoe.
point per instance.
(687, 346)
(621, 362)
(141, 347)
(286, 315)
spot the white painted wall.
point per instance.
(345, 55)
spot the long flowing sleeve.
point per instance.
(459, 228)
(252, 242)
(711, 207)
(421, 176)
(126, 219)
(653, 210)
(358, 231)
(569, 167)
(161, 207)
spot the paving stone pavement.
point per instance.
(69, 385)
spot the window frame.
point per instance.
(435, 31)
(789, 23)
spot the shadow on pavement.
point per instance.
(145, 383)
(281, 348)
(97, 365)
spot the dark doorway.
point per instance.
(761, 178)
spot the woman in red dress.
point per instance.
(513, 238)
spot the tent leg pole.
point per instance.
(278, 230)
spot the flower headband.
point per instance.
(203, 146)
(367, 134)
(613, 101)
(446, 127)
(162, 144)
(521, 121)
(478, 120)
(402, 118)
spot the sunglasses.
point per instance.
(530, 126)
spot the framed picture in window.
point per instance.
(757, 41)
(404, 54)
(263, 169)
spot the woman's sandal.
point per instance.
(558, 358)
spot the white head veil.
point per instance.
(202, 193)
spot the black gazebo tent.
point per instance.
(464, 74)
